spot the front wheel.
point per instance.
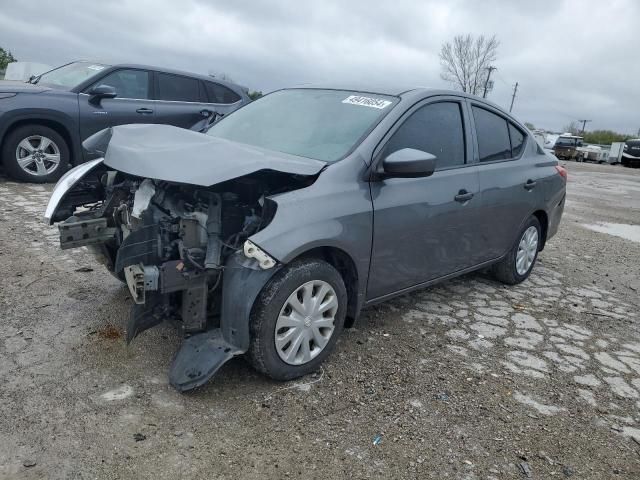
(516, 266)
(296, 319)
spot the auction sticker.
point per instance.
(367, 101)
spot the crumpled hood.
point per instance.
(173, 154)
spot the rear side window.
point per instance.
(517, 140)
(220, 94)
(128, 83)
(177, 88)
(435, 128)
(493, 135)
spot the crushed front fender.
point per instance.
(201, 355)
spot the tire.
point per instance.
(507, 270)
(24, 142)
(263, 354)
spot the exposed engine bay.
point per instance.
(171, 243)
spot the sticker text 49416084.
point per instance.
(367, 101)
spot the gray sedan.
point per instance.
(269, 234)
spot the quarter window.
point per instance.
(128, 83)
(177, 88)
(435, 128)
(220, 94)
(517, 140)
(493, 135)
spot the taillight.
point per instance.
(562, 172)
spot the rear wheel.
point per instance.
(516, 266)
(35, 153)
(296, 319)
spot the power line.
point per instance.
(513, 97)
(486, 82)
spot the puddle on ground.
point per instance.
(628, 232)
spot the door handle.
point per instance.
(463, 196)
(530, 184)
(144, 110)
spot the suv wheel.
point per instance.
(35, 153)
(297, 319)
(516, 266)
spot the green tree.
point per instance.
(604, 137)
(529, 125)
(254, 94)
(6, 58)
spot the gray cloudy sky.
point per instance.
(573, 59)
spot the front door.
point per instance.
(131, 105)
(425, 228)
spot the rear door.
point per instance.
(133, 103)
(182, 100)
(509, 179)
(425, 228)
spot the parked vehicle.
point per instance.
(615, 153)
(270, 233)
(592, 153)
(43, 123)
(631, 153)
(564, 146)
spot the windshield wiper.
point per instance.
(34, 79)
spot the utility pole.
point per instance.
(513, 97)
(486, 82)
(584, 123)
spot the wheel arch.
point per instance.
(543, 218)
(53, 123)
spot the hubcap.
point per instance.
(38, 155)
(306, 322)
(527, 249)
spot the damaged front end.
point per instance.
(184, 250)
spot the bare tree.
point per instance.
(465, 62)
(572, 127)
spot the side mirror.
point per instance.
(408, 163)
(99, 92)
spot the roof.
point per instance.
(392, 90)
(396, 90)
(169, 70)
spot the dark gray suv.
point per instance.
(42, 123)
(269, 234)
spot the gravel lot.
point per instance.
(467, 380)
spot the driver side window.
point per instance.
(128, 83)
(435, 128)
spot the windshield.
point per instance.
(319, 124)
(71, 75)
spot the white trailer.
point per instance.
(615, 153)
